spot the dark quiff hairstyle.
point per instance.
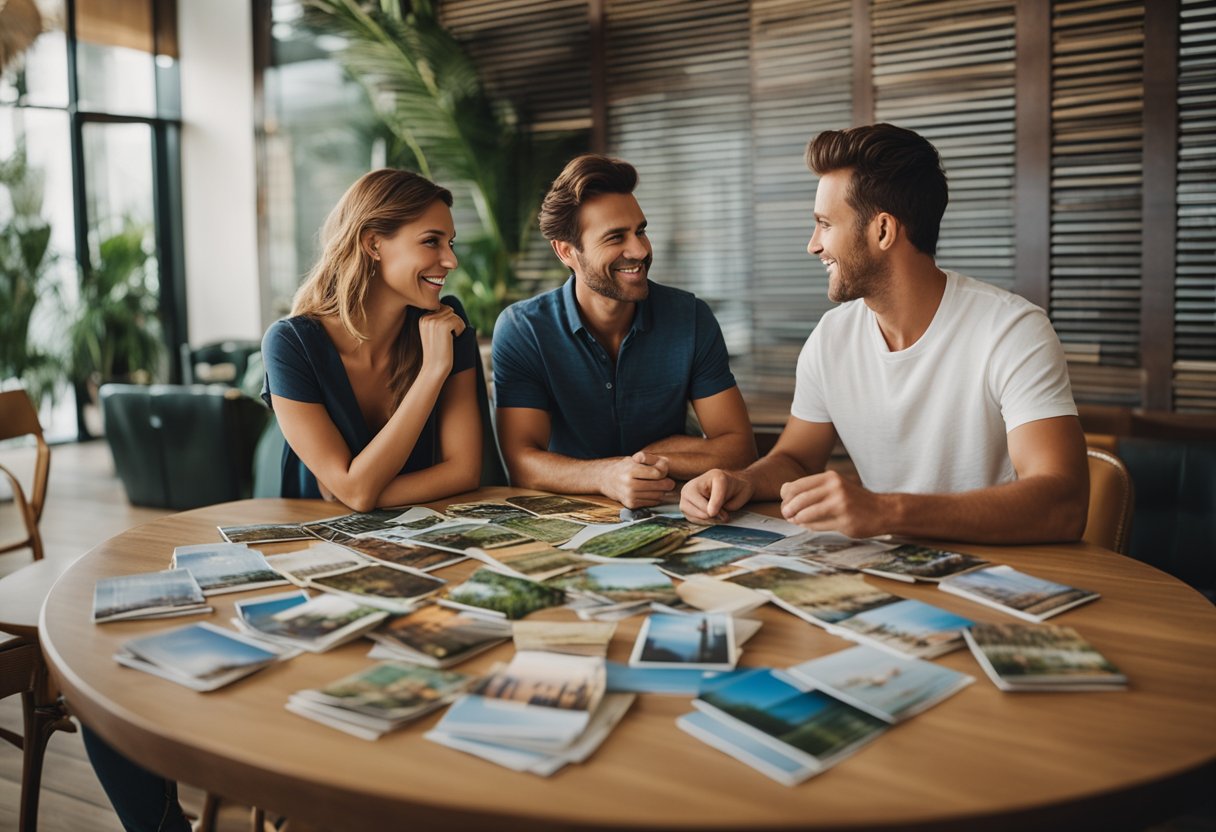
(894, 171)
(584, 177)
(379, 202)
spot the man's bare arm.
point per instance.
(1048, 501)
(523, 436)
(729, 441)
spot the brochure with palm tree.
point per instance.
(438, 636)
(200, 656)
(568, 508)
(1029, 657)
(493, 592)
(809, 727)
(226, 567)
(380, 699)
(147, 595)
(1017, 593)
(316, 624)
(394, 590)
(892, 688)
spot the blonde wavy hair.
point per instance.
(380, 202)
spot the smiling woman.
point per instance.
(372, 377)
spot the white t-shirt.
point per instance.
(932, 418)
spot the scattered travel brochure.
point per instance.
(316, 624)
(616, 583)
(200, 656)
(610, 711)
(463, 536)
(490, 511)
(531, 559)
(675, 681)
(749, 530)
(147, 595)
(705, 641)
(703, 557)
(1017, 593)
(710, 595)
(1041, 657)
(920, 563)
(909, 627)
(826, 547)
(226, 567)
(322, 558)
(538, 702)
(892, 688)
(379, 699)
(808, 728)
(438, 637)
(394, 590)
(264, 533)
(418, 518)
(352, 525)
(645, 540)
(394, 547)
(493, 592)
(552, 530)
(567, 508)
(578, 638)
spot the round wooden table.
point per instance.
(983, 759)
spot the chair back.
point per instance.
(19, 418)
(493, 471)
(1111, 497)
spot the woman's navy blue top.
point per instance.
(303, 365)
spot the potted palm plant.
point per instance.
(428, 92)
(116, 333)
(26, 282)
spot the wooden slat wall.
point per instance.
(678, 84)
(1097, 133)
(1195, 290)
(801, 84)
(946, 70)
(533, 53)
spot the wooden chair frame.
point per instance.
(18, 418)
(1118, 538)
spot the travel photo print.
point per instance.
(703, 641)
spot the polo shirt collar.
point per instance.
(641, 320)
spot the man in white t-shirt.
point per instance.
(951, 396)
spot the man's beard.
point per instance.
(859, 273)
(602, 282)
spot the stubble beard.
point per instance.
(601, 281)
(859, 274)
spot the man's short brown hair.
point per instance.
(894, 170)
(584, 177)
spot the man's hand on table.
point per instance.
(713, 495)
(830, 502)
(638, 480)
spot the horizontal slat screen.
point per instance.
(946, 70)
(1195, 289)
(1096, 148)
(801, 84)
(678, 86)
(534, 54)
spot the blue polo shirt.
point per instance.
(545, 358)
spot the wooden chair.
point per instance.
(1111, 497)
(22, 669)
(18, 418)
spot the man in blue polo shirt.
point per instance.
(593, 379)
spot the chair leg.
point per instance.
(211, 809)
(257, 819)
(41, 720)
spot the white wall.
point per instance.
(218, 171)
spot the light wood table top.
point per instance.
(983, 759)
